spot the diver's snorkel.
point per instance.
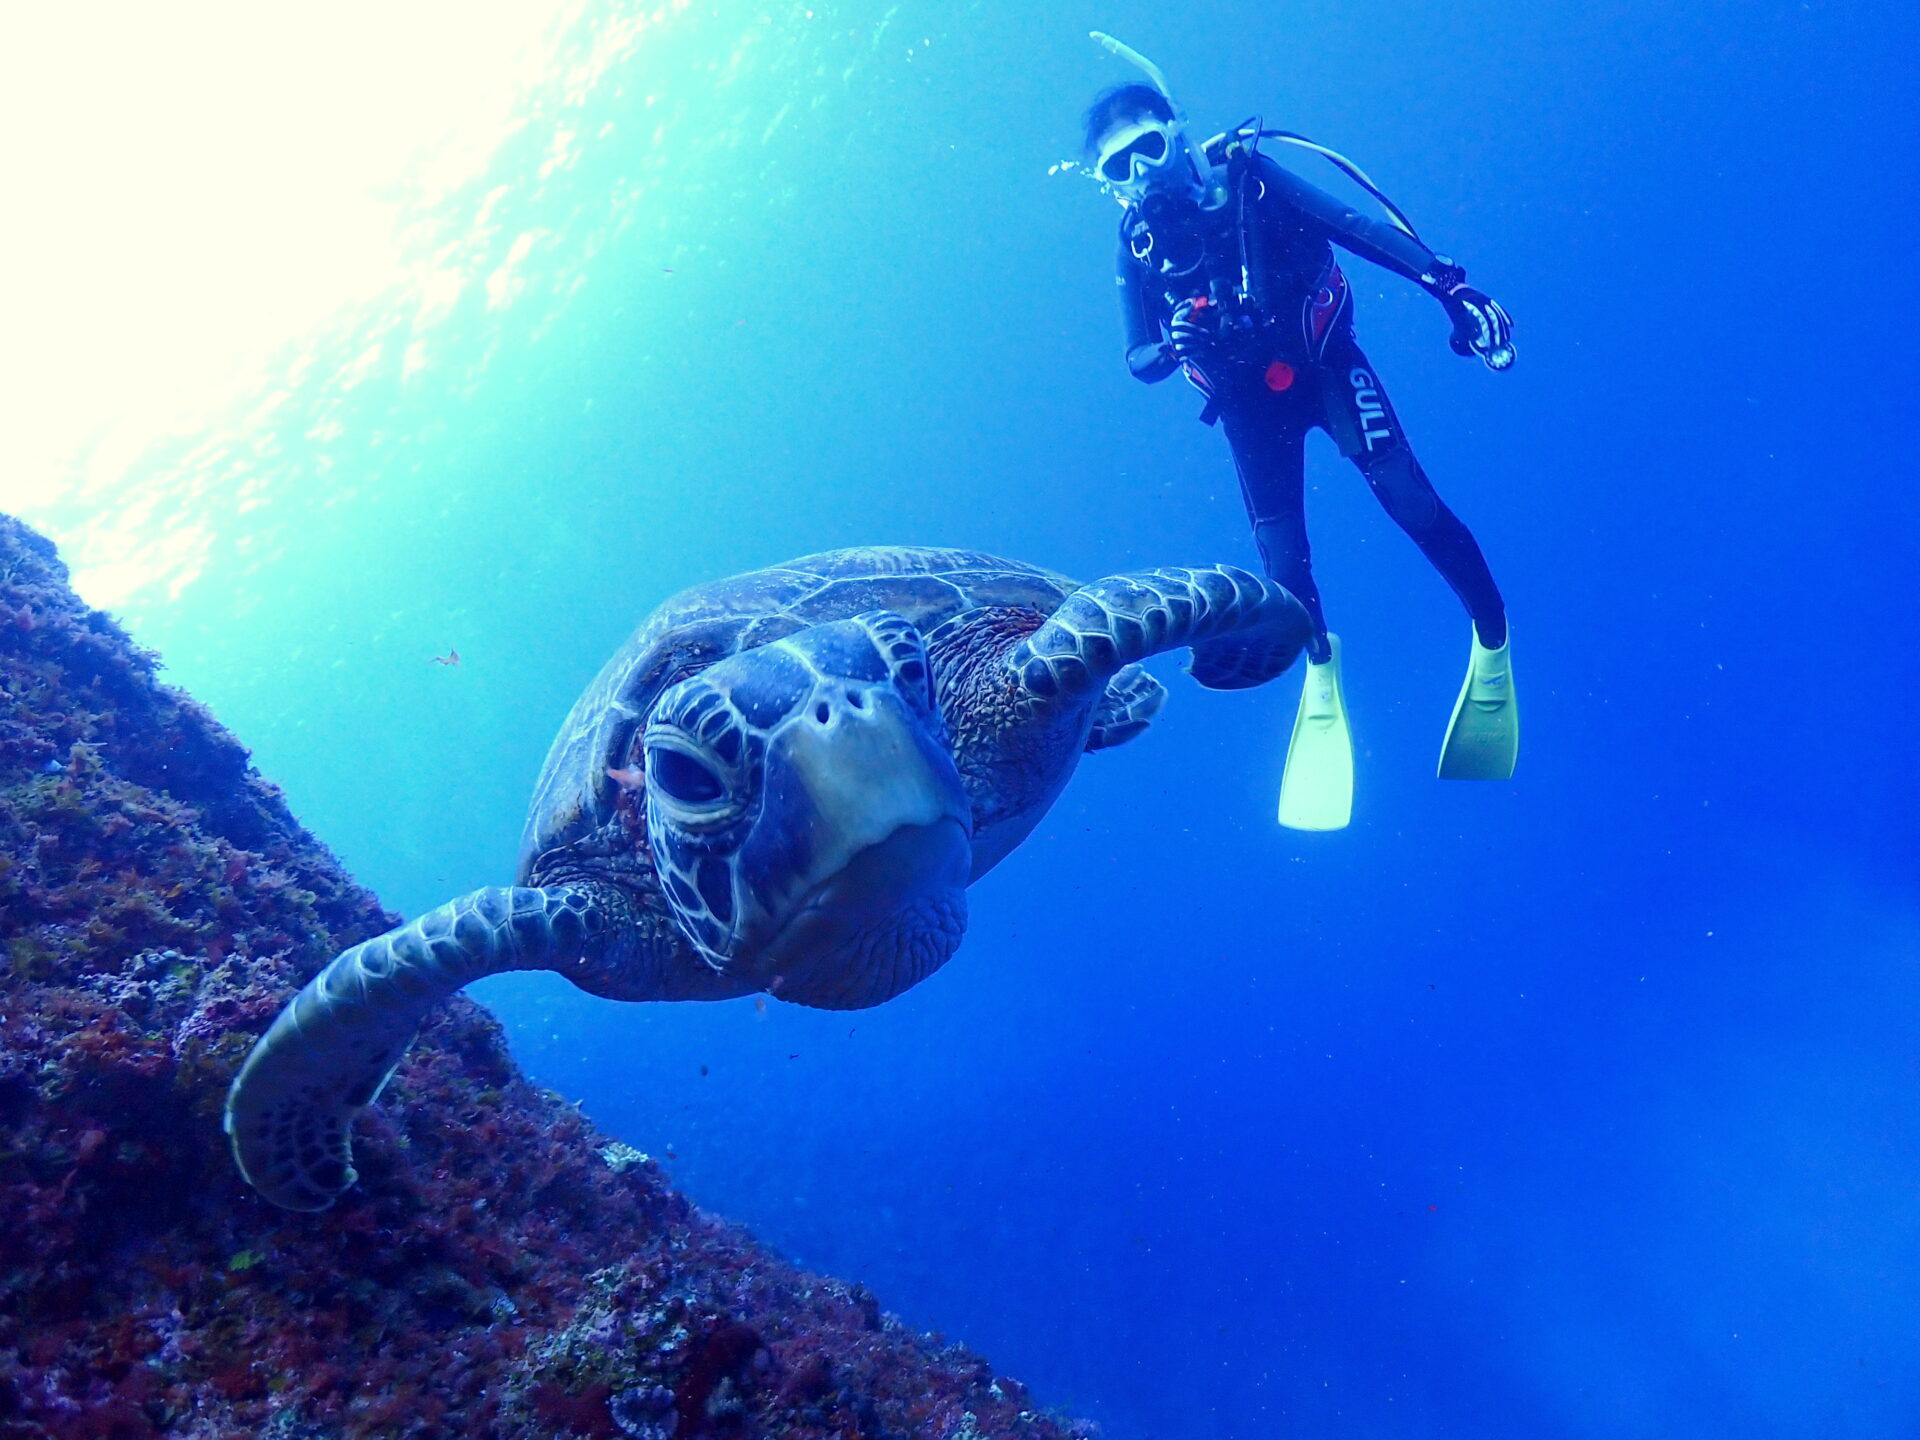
(1155, 155)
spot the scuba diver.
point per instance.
(1227, 274)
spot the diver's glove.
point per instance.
(1480, 325)
(1195, 334)
(1204, 339)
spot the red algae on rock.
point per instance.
(494, 1274)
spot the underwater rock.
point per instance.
(502, 1269)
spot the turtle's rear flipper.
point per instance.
(1133, 698)
(328, 1054)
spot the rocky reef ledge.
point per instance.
(502, 1270)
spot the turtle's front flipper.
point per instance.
(331, 1050)
(1133, 698)
(1244, 631)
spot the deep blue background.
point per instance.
(1581, 1106)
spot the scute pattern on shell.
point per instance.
(698, 627)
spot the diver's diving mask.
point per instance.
(1149, 154)
(1133, 151)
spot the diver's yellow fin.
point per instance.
(1316, 793)
(1483, 738)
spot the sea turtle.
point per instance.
(784, 782)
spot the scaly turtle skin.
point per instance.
(784, 782)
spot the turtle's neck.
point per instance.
(1014, 752)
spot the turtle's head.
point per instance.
(805, 817)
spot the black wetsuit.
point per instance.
(1286, 362)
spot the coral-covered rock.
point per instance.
(502, 1270)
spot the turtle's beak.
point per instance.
(864, 821)
(889, 918)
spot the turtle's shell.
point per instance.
(708, 623)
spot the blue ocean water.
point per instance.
(1580, 1106)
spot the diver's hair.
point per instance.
(1119, 104)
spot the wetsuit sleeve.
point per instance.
(1380, 241)
(1149, 357)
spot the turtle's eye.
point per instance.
(681, 777)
